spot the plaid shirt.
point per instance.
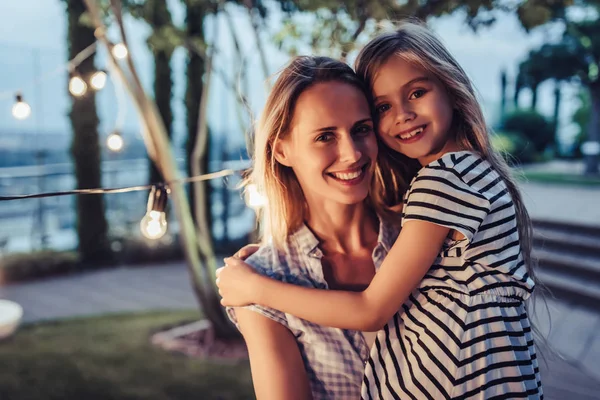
(334, 358)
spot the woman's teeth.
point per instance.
(411, 133)
(348, 176)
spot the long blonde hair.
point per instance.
(416, 44)
(286, 205)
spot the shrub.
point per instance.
(532, 127)
(514, 148)
(26, 266)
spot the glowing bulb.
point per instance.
(77, 86)
(154, 223)
(254, 199)
(115, 141)
(120, 51)
(21, 110)
(98, 80)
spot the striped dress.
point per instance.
(464, 332)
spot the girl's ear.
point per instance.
(281, 152)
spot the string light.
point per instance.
(77, 86)
(98, 80)
(115, 141)
(120, 51)
(154, 223)
(20, 110)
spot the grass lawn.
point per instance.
(559, 178)
(109, 358)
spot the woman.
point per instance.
(315, 159)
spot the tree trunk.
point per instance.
(534, 96)
(163, 83)
(196, 70)
(557, 98)
(503, 81)
(85, 148)
(591, 165)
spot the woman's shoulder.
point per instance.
(282, 264)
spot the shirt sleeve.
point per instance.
(260, 262)
(443, 198)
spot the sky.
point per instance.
(33, 59)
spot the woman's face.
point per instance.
(331, 145)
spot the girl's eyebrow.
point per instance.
(411, 82)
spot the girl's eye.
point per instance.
(380, 109)
(325, 137)
(418, 93)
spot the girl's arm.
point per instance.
(408, 261)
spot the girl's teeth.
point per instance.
(411, 134)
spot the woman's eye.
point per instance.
(326, 137)
(418, 93)
(380, 109)
(363, 130)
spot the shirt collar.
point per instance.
(308, 243)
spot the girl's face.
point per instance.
(331, 145)
(414, 111)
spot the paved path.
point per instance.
(563, 203)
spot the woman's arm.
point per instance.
(408, 261)
(277, 368)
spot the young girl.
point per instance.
(448, 300)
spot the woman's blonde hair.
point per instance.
(416, 44)
(286, 206)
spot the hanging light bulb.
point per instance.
(120, 51)
(98, 80)
(154, 223)
(77, 86)
(115, 141)
(20, 110)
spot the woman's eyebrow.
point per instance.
(362, 121)
(411, 82)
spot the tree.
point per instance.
(85, 148)
(574, 58)
(162, 43)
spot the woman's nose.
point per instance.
(349, 150)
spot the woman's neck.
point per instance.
(343, 229)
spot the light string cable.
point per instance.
(78, 59)
(199, 178)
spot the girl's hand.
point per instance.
(247, 251)
(237, 283)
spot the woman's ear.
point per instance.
(281, 153)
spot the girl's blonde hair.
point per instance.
(416, 44)
(286, 206)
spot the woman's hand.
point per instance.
(237, 282)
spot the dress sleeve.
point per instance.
(443, 198)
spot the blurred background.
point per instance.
(97, 298)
